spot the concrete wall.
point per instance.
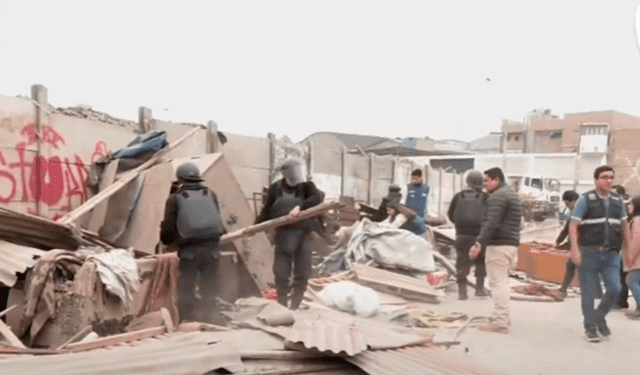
(53, 181)
(46, 153)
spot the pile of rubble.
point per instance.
(88, 113)
(96, 288)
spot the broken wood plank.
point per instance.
(6, 311)
(10, 336)
(117, 339)
(4, 349)
(99, 213)
(275, 223)
(124, 180)
(387, 281)
(78, 336)
(167, 320)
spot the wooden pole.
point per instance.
(119, 184)
(275, 223)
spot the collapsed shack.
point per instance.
(99, 278)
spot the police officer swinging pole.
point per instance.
(288, 197)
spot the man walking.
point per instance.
(466, 211)
(289, 196)
(192, 221)
(500, 234)
(597, 231)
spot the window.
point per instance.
(556, 134)
(517, 138)
(536, 183)
(526, 181)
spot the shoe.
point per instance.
(591, 335)
(462, 292)
(633, 314)
(493, 327)
(621, 305)
(480, 290)
(603, 330)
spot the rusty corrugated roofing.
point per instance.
(334, 336)
(30, 230)
(178, 353)
(418, 360)
(15, 258)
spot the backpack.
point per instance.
(198, 217)
(469, 210)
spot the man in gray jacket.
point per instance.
(500, 234)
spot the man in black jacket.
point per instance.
(466, 211)
(192, 221)
(289, 196)
(500, 233)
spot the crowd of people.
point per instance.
(603, 229)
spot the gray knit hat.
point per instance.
(475, 180)
(394, 193)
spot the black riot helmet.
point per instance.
(188, 172)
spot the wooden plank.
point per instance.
(119, 184)
(78, 336)
(99, 213)
(117, 339)
(275, 223)
(6, 311)
(10, 336)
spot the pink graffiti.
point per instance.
(51, 180)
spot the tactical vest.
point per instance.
(417, 198)
(198, 217)
(593, 226)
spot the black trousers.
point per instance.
(293, 253)
(198, 266)
(463, 262)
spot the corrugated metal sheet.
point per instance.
(334, 336)
(30, 230)
(418, 360)
(178, 353)
(15, 258)
(393, 281)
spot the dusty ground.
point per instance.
(546, 338)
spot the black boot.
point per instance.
(480, 290)
(462, 292)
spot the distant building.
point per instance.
(365, 144)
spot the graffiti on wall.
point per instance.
(53, 180)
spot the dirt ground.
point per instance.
(546, 338)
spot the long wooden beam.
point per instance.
(275, 223)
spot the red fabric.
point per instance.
(163, 289)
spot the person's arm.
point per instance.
(452, 207)
(214, 197)
(563, 233)
(399, 221)
(579, 210)
(168, 226)
(265, 213)
(573, 237)
(496, 205)
(633, 250)
(312, 196)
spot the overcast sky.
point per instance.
(389, 68)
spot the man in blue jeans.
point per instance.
(598, 227)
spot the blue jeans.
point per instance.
(633, 281)
(606, 264)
